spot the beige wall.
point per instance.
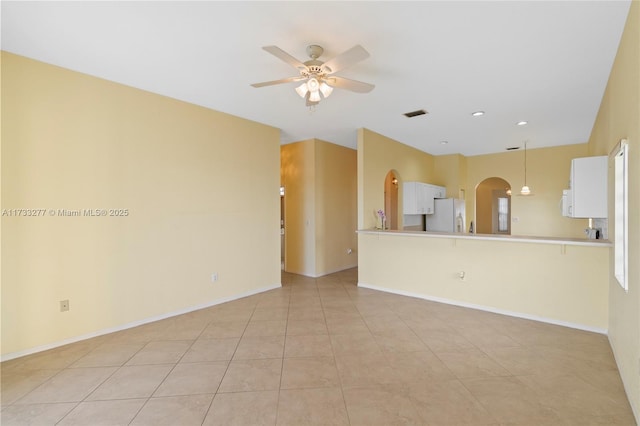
(451, 172)
(201, 189)
(377, 155)
(618, 118)
(572, 276)
(336, 208)
(298, 178)
(538, 215)
(548, 172)
(320, 207)
(559, 284)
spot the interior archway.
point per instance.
(391, 199)
(493, 206)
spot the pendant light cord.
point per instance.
(525, 189)
(525, 163)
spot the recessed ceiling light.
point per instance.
(444, 142)
(477, 113)
(522, 123)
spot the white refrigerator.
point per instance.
(448, 216)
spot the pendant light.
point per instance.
(525, 189)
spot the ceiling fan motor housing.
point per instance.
(314, 66)
(314, 51)
(313, 70)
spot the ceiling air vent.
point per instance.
(415, 113)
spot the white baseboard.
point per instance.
(486, 309)
(625, 383)
(13, 355)
(333, 271)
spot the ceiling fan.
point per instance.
(317, 76)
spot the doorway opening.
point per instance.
(391, 200)
(493, 206)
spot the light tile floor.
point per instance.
(323, 351)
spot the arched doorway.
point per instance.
(391, 199)
(493, 206)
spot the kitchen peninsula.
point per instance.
(555, 280)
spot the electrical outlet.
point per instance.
(64, 305)
(214, 277)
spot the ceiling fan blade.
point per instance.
(281, 81)
(346, 59)
(348, 84)
(279, 53)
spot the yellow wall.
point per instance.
(502, 276)
(451, 172)
(201, 189)
(618, 118)
(568, 290)
(548, 172)
(320, 207)
(377, 155)
(336, 208)
(298, 179)
(538, 215)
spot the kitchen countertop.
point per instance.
(493, 237)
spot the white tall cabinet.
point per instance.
(587, 193)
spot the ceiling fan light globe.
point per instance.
(325, 89)
(525, 190)
(313, 85)
(314, 96)
(302, 90)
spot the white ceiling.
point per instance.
(546, 62)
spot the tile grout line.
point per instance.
(282, 362)
(118, 369)
(344, 399)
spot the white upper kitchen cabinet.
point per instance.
(413, 198)
(437, 191)
(588, 188)
(418, 197)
